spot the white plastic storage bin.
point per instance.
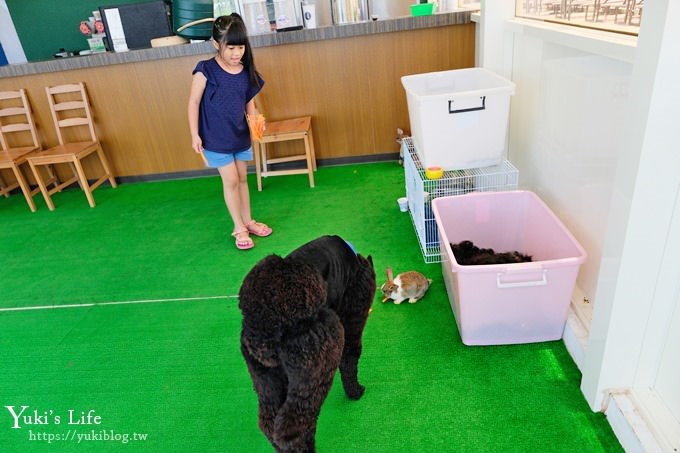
(459, 118)
(508, 303)
(420, 192)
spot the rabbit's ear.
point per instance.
(389, 274)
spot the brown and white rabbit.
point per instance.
(409, 285)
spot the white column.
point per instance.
(494, 50)
(635, 296)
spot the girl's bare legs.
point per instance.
(244, 193)
(236, 195)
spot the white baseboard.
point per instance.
(641, 421)
(639, 418)
(577, 328)
(618, 415)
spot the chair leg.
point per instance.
(263, 157)
(52, 176)
(82, 180)
(54, 179)
(264, 168)
(25, 189)
(76, 176)
(41, 184)
(311, 146)
(3, 188)
(310, 164)
(105, 165)
(258, 169)
(51, 179)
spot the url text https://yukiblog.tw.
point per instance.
(79, 426)
(74, 435)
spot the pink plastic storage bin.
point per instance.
(507, 303)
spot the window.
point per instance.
(621, 16)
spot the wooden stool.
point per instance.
(281, 131)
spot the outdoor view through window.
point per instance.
(621, 16)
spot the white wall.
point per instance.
(594, 131)
(566, 119)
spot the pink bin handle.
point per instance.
(542, 282)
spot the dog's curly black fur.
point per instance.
(303, 318)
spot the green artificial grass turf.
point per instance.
(173, 371)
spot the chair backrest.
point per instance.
(70, 108)
(17, 126)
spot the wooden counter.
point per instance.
(347, 77)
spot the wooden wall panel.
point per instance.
(351, 87)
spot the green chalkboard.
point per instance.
(45, 26)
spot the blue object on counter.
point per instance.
(3, 58)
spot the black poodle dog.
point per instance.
(303, 318)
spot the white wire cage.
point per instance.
(420, 192)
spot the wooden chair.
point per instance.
(72, 117)
(280, 131)
(18, 140)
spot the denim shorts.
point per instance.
(217, 160)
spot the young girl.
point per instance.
(222, 93)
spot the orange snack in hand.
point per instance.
(256, 125)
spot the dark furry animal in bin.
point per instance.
(303, 318)
(468, 254)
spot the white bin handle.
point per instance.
(542, 282)
(471, 109)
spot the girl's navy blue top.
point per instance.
(222, 121)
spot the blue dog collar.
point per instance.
(349, 244)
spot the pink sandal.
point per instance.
(243, 244)
(258, 229)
